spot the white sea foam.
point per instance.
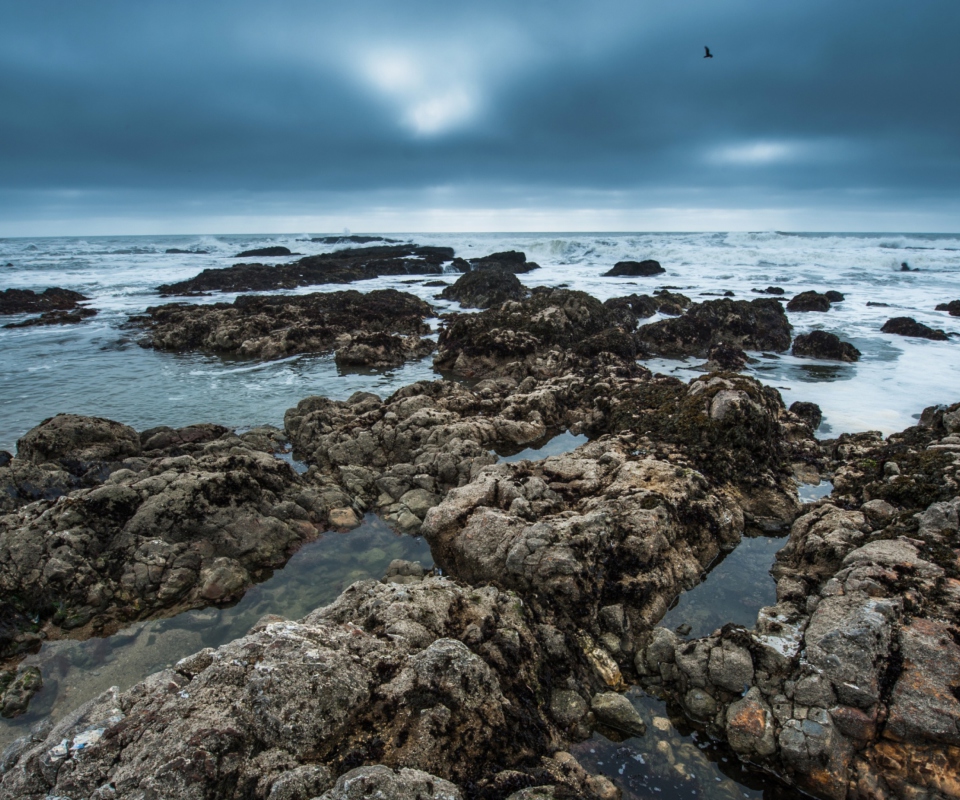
(96, 367)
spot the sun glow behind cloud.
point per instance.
(434, 95)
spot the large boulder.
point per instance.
(821, 344)
(265, 251)
(430, 686)
(635, 269)
(485, 288)
(508, 260)
(77, 438)
(908, 326)
(634, 307)
(750, 325)
(269, 327)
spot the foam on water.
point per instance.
(98, 369)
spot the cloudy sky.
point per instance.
(165, 116)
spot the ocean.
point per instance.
(97, 368)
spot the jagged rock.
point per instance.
(770, 290)
(187, 518)
(281, 711)
(26, 301)
(342, 266)
(908, 326)
(809, 301)
(485, 288)
(280, 326)
(380, 350)
(634, 307)
(635, 269)
(953, 307)
(531, 337)
(752, 325)
(809, 412)
(820, 344)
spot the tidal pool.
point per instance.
(553, 445)
(74, 672)
(673, 760)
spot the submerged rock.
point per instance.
(55, 318)
(509, 261)
(820, 344)
(751, 325)
(725, 358)
(908, 326)
(342, 266)
(485, 288)
(642, 269)
(278, 326)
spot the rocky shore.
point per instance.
(379, 328)
(474, 681)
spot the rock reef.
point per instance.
(379, 328)
(341, 266)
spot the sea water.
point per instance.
(98, 368)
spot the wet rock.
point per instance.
(635, 269)
(280, 326)
(485, 288)
(17, 688)
(386, 784)
(322, 694)
(820, 344)
(724, 358)
(567, 707)
(810, 412)
(55, 318)
(512, 261)
(265, 251)
(617, 712)
(752, 325)
(908, 326)
(634, 307)
(342, 266)
(178, 251)
(380, 350)
(809, 301)
(532, 337)
(750, 726)
(834, 296)
(161, 532)
(953, 307)
(26, 301)
(770, 290)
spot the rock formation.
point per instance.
(268, 327)
(342, 266)
(821, 344)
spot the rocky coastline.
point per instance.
(475, 680)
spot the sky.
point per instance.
(162, 116)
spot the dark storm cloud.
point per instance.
(141, 101)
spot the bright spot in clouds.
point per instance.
(754, 153)
(434, 95)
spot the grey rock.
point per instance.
(616, 711)
(384, 783)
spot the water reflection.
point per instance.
(737, 585)
(550, 445)
(74, 672)
(673, 760)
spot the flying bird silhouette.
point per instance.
(709, 54)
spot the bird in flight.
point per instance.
(709, 54)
